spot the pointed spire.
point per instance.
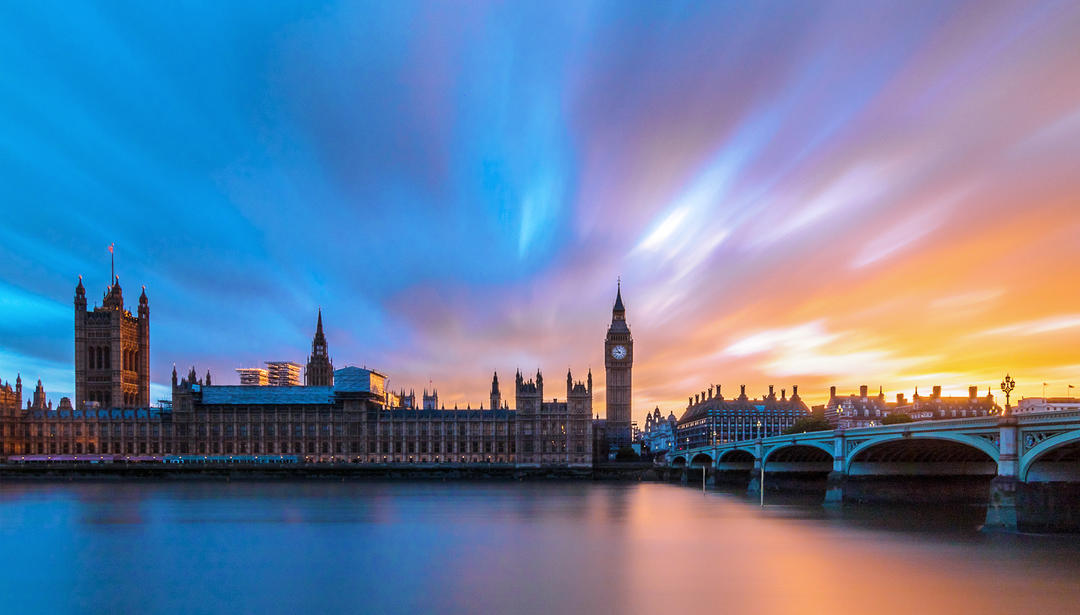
(318, 325)
(618, 299)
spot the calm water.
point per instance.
(503, 548)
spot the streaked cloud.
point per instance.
(826, 193)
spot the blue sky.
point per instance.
(793, 194)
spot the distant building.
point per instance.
(864, 410)
(711, 419)
(1047, 404)
(11, 436)
(283, 373)
(659, 434)
(320, 369)
(112, 350)
(253, 376)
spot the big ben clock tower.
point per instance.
(618, 359)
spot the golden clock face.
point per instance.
(619, 352)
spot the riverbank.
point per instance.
(620, 472)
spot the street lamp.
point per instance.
(1007, 385)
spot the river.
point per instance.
(502, 547)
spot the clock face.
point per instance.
(619, 352)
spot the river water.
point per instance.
(500, 547)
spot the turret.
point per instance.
(496, 395)
(174, 376)
(207, 377)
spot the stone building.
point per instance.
(711, 419)
(865, 410)
(341, 415)
(320, 369)
(618, 363)
(659, 434)
(112, 351)
(11, 428)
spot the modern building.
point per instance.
(112, 350)
(253, 376)
(283, 373)
(711, 419)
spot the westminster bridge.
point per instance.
(1028, 465)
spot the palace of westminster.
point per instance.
(337, 415)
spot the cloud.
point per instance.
(1039, 326)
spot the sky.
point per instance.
(810, 193)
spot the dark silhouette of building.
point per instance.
(618, 361)
(320, 369)
(112, 350)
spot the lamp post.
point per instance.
(1007, 386)
(761, 488)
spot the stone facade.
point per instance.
(618, 362)
(320, 369)
(865, 410)
(112, 351)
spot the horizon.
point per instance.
(852, 195)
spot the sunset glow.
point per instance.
(853, 194)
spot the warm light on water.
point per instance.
(503, 548)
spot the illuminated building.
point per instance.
(253, 376)
(711, 419)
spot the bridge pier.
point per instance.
(1001, 513)
(834, 484)
(755, 486)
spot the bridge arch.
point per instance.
(737, 455)
(679, 461)
(701, 460)
(955, 452)
(1058, 449)
(801, 451)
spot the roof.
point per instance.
(255, 394)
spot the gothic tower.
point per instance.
(320, 369)
(112, 350)
(496, 396)
(618, 359)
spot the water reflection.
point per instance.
(463, 547)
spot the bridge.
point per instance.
(1031, 462)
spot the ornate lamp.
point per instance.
(1007, 386)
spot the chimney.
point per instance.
(794, 390)
(771, 393)
(832, 392)
(863, 390)
(900, 398)
(937, 392)
(973, 392)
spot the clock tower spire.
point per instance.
(618, 361)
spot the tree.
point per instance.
(626, 453)
(809, 423)
(896, 419)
